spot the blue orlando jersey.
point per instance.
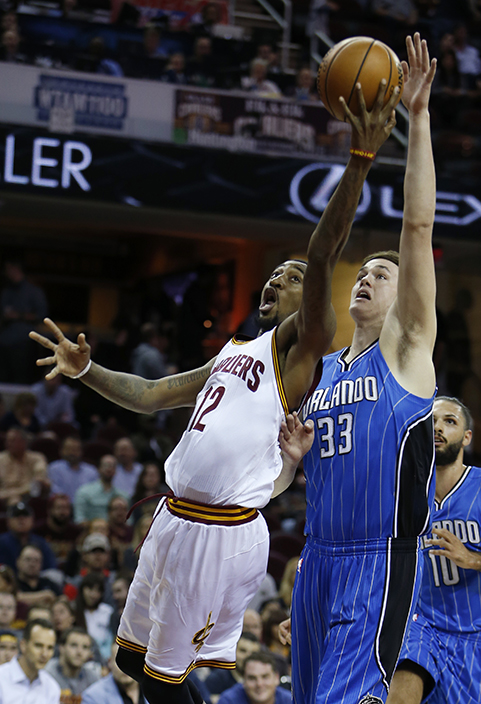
(369, 472)
(450, 596)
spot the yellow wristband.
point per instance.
(362, 153)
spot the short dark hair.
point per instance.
(468, 419)
(262, 656)
(27, 632)
(247, 635)
(390, 254)
(64, 636)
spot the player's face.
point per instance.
(450, 433)
(282, 294)
(260, 682)
(374, 291)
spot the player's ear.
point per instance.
(468, 436)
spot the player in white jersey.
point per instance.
(441, 657)
(207, 550)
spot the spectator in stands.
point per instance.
(175, 70)
(120, 534)
(23, 414)
(22, 305)
(69, 473)
(148, 358)
(59, 530)
(260, 684)
(33, 588)
(92, 500)
(96, 558)
(8, 645)
(24, 679)
(127, 470)
(93, 613)
(115, 688)
(448, 94)
(9, 21)
(218, 680)
(397, 17)
(19, 534)
(287, 583)
(271, 632)
(8, 609)
(469, 61)
(22, 472)
(120, 588)
(54, 401)
(96, 60)
(253, 623)
(149, 483)
(305, 88)
(69, 668)
(131, 554)
(210, 16)
(63, 615)
(201, 68)
(257, 83)
(10, 48)
(152, 41)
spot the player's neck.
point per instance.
(363, 337)
(447, 477)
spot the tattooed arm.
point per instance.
(127, 390)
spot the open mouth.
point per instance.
(363, 294)
(269, 299)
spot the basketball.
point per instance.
(357, 60)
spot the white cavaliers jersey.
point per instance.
(230, 453)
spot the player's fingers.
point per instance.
(309, 426)
(425, 56)
(391, 123)
(53, 373)
(46, 361)
(349, 116)
(361, 101)
(381, 92)
(55, 329)
(82, 343)
(410, 51)
(42, 340)
(432, 71)
(290, 422)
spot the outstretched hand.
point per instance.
(69, 358)
(296, 438)
(371, 129)
(419, 74)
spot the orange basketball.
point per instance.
(357, 60)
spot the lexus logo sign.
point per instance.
(312, 187)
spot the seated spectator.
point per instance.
(10, 48)
(19, 534)
(63, 615)
(96, 558)
(259, 672)
(253, 623)
(69, 473)
(201, 68)
(128, 470)
(93, 614)
(33, 588)
(92, 500)
(120, 534)
(8, 609)
(120, 589)
(54, 401)
(152, 42)
(59, 530)
(22, 472)
(8, 645)
(70, 668)
(148, 358)
(149, 483)
(96, 60)
(218, 680)
(24, 679)
(271, 634)
(305, 88)
(469, 61)
(131, 554)
(210, 16)
(115, 688)
(175, 70)
(287, 583)
(23, 414)
(8, 585)
(257, 83)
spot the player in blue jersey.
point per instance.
(441, 656)
(368, 472)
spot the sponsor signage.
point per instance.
(139, 174)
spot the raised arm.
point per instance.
(411, 323)
(313, 327)
(127, 390)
